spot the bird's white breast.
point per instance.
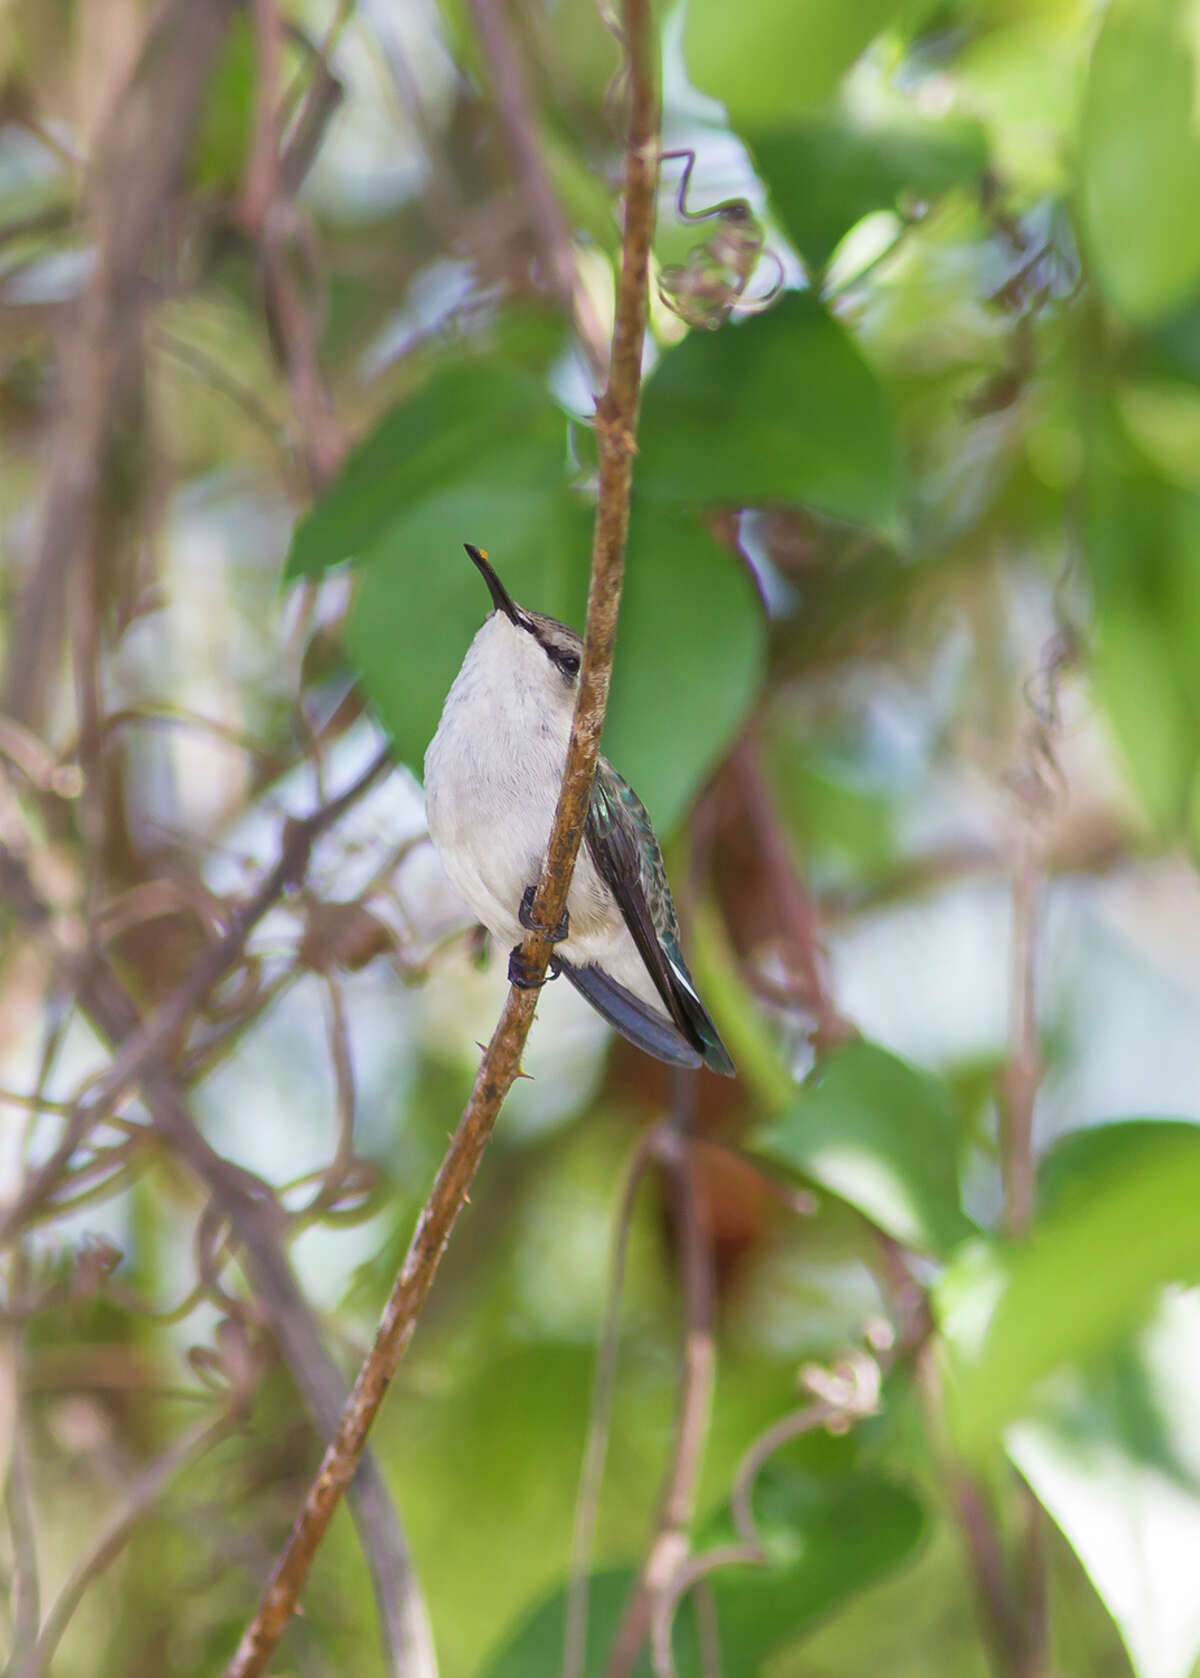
(493, 772)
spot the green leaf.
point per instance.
(1094, 1263)
(777, 56)
(227, 121)
(535, 1648)
(1142, 536)
(799, 415)
(826, 172)
(1083, 1162)
(1141, 158)
(1116, 1461)
(690, 656)
(826, 1538)
(476, 425)
(881, 1134)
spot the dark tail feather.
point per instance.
(701, 1029)
(649, 1030)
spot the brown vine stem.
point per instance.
(143, 1494)
(554, 236)
(133, 175)
(1040, 785)
(616, 424)
(146, 1041)
(1022, 1077)
(1024, 1071)
(668, 1549)
(575, 1622)
(252, 1213)
(978, 1530)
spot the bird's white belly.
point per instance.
(490, 798)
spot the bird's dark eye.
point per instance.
(568, 663)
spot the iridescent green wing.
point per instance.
(625, 851)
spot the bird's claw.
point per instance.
(525, 916)
(521, 973)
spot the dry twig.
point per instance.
(132, 180)
(145, 1491)
(248, 1206)
(550, 225)
(616, 425)
(596, 1449)
(668, 1548)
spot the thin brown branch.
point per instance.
(998, 1611)
(979, 1533)
(529, 166)
(440, 190)
(795, 917)
(268, 212)
(143, 1041)
(588, 1497)
(1022, 1077)
(321, 99)
(1040, 785)
(669, 1546)
(18, 1500)
(137, 163)
(617, 424)
(259, 184)
(1023, 1072)
(333, 1177)
(256, 1218)
(293, 330)
(144, 1493)
(840, 1397)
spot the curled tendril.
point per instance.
(233, 1365)
(838, 1397)
(711, 284)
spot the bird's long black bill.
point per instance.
(502, 600)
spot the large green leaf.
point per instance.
(825, 171)
(1120, 1223)
(478, 454)
(881, 1134)
(534, 1649)
(689, 659)
(780, 408)
(1142, 539)
(474, 425)
(826, 1538)
(773, 56)
(1141, 158)
(1115, 1458)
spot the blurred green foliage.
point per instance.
(882, 1135)
(967, 432)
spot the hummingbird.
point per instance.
(492, 777)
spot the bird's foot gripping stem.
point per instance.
(525, 916)
(519, 972)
